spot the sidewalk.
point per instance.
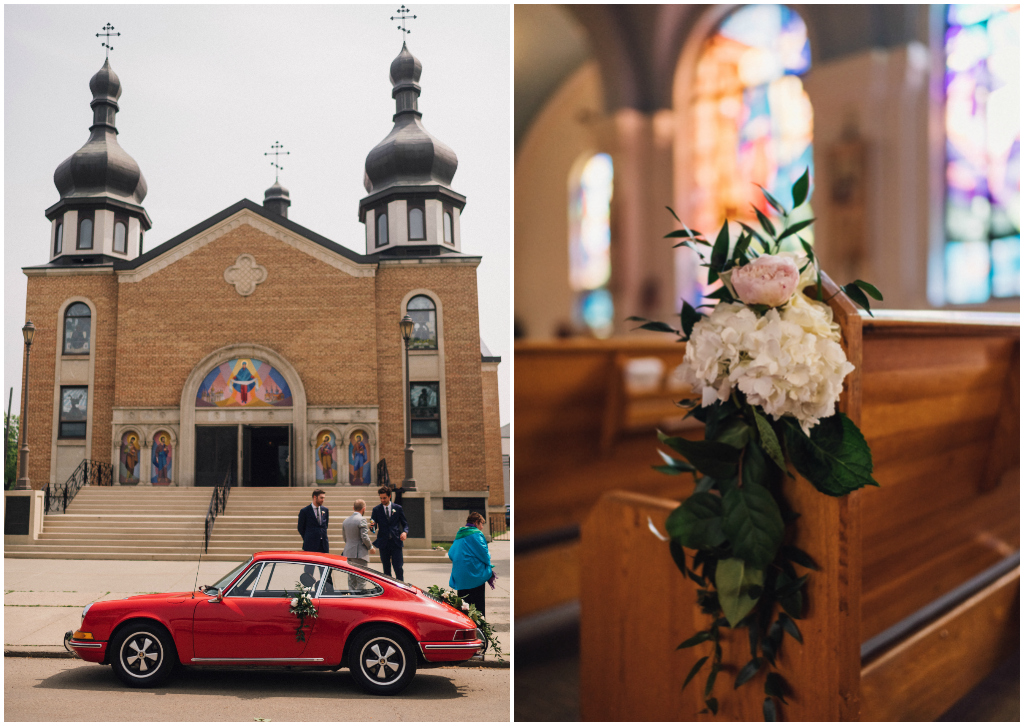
(43, 599)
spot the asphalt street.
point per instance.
(52, 689)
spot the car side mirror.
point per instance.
(217, 595)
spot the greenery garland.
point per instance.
(452, 598)
(302, 606)
(737, 519)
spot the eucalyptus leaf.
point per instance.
(701, 637)
(733, 580)
(752, 523)
(773, 201)
(756, 235)
(858, 296)
(710, 457)
(800, 188)
(835, 458)
(868, 288)
(658, 327)
(796, 227)
(790, 626)
(769, 441)
(748, 671)
(711, 684)
(720, 251)
(688, 317)
(697, 523)
(693, 671)
(673, 213)
(766, 224)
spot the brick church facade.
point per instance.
(252, 348)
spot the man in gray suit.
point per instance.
(356, 533)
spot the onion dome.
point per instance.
(409, 155)
(277, 199)
(101, 168)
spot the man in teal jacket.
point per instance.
(471, 562)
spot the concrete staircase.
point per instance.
(150, 523)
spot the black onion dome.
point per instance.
(276, 192)
(102, 168)
(409, 155)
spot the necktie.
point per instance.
(318, 516)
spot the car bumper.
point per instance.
(90, 650)
(451, 651)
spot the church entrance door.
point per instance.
(265, 456)
(216, 455)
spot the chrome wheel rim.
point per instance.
(382, 661)
(141, 654)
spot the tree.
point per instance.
(11, 454)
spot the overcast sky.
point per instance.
(207, 89)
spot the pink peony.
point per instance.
(769, 280)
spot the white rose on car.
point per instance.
(295, 602)
(465, 606)
(788, 361)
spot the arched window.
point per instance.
(448, 228)
(77, 329)
(120, 237)
(382, 229)
(423, 312)
(85, 234)
(590, 265)
(58, 238)
(752, 121)
(416, 223)
(982, 251)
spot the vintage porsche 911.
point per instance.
(380, 628)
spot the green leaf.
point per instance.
(790, 587)
(712, 704)
(740, 251)
(800, 188)
(770, 713)
(868, 288)
(693, 671)
(794, 228)
(789, 625)
(752, 523)
(697, 523)
(658, 327)
(756, 235)
(755, 466)
(672, 212)
(736, 434)
(769, 441)
(797, 555)
(775, 685)
(748, 671)
(710, 457)
(792, 603)
(688, 317)
(720, 251)
(858, 297)
(766, 224)
(704, 484)
(835, 458)
(701, 637)
(721, 293)
(711, 684)
(773, 201)
(678, 556)
(677, 465)
(733, 580)
(807, 248)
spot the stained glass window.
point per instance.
(752, 119)
(982, 255)
(590, 265)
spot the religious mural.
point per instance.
(243, 383)
(326, 458)
(128, 471)
(162, 458)
(359, 459)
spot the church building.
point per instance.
(251, 350)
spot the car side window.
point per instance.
(340, 583)
(280, 579)
(243, 588)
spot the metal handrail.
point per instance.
(218, 503)
(57, 497)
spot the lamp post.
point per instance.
(408, 483)
(29, 332)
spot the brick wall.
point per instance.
(492, 438)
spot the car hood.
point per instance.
(153, 596)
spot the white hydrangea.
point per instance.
(787, 361)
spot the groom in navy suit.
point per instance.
(392, 529)
(313, 524)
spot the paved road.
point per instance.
(51, 689)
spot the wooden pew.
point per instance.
(891, 631)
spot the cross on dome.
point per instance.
(276, 153)
(106, 44)
(403, 15)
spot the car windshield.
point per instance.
(226, 580)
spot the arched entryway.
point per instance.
(243, 416)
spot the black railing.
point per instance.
(218, 502)
(57, 497)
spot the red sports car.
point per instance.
(380, 628)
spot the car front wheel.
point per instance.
(382, 660)
(143, 655)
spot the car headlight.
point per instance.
(85, 610)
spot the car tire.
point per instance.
(382, 660)
(143, 655)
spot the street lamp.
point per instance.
(29, 332)
(408, 483)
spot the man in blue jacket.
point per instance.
(313, 524)
(392, 529)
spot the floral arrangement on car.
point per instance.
(452, 598)
(302, 606)
(769, 368)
